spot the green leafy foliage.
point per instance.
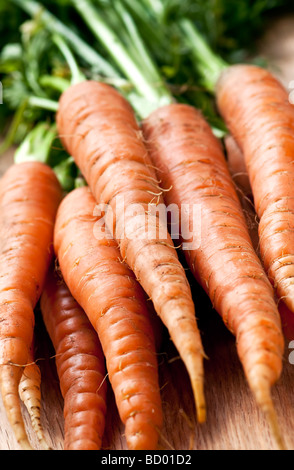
(231, 28)
(42, 144)
(229, 25)
(11, 19)
(31, 63)
(22, 67)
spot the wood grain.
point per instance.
(233, 420)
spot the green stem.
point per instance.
(65, 172)
(86, 52)
(76, 74)
(37, 144)
(144, 18)
(56, 83)
(135, 72)
(141, 53)
(43, 103)
(144, 59)
(156, 6)
(17, 119)
(209, 65)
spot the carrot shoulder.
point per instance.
(115, 304)
(260, 117)
(98, 128)
(80, 365)
(192, 164)
(29, 197)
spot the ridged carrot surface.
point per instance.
(29, 197)
(30, 395)
(98, 128)
(80, 365)
(236, 163)
(260, 117)
(115, 304)
(191, 162)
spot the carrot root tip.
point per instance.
(198, 392)
(272, 419)
(264, 400)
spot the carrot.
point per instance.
(115, 304)
(80, 365)
(191, 163)
(257, 111)
(98, 128)
(238, 170)
(30, 394)
(262, 122)
(29, 197)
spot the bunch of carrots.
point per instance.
(104, 281)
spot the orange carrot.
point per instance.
(30, 395)
(98, 128)
(259, 115)
(115, 304)
(80, 365)
(29, 197)
(239, 173)
(191, 163)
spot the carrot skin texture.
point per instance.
(98, 128)
(80, 365)
(115, 304)
(29, 196)
(261, 119)
(191, 162)
(236, 163)
(30, 395)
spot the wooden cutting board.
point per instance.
(233, 419)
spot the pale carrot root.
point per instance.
(10, 377)
(30, 394)
(197, 383)
(11, 371)
(262, 392)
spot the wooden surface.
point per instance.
(233, 420)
